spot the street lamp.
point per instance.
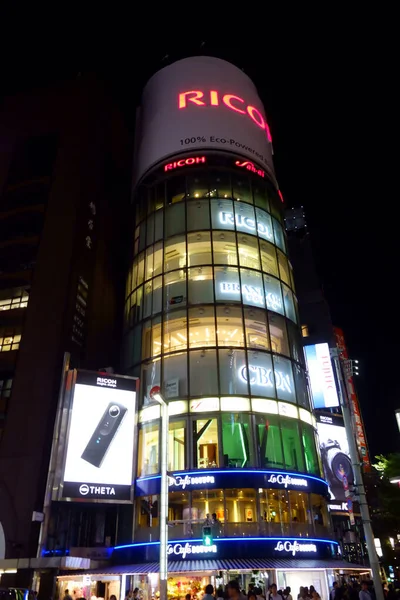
(155, 394)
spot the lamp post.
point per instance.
(155, 394)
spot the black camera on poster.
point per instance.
(336, 464)
(104, 434)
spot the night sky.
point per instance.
(328, 86)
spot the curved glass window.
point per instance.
(206, 438)
(310, 450)
(201, 285)
(224, 247)
(270, 442)
(230, 326)
(237, 444)
(148, 449)
(292, 446)
(199, 249)
(256, 328)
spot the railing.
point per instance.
(194, 529)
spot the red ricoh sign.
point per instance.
(184, 162)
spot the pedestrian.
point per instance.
(209, 592)
(332, 593)
(259, 594)
(274, 593)
(67, 595)
(188, 597)
(252, 596)
(286, 594)
(220, 593)
(113, 597)
(233, 590)
(315, 595)
(364, 592)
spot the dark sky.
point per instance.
(328, 83)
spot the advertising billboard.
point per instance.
(358, 424)
(335, 456)
(322, 381)
(99, 450)
(196, 104)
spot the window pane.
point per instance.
(176, 189)
(274, 507)
(284, 379)
(199, 249)
(147, 299)
(227, 286)
(158, 259)
(197, 185)
(150, 376)
(292, 445)
(288, 303)
(260, 375)
(319, 510)
(249, 255)
(175, 289)
(201, 285)
(252, 288)
(278, 334)
(299, 507)
(148, 449)
(245, 218)
(231, 365)
(175, 333)
(221, 184)
(224, 243)
(203, 361)
(301, 387)
(175, 253)
(158, 229)
(237, 444)
(229, 326)
(174, 219)
(156, 336)
(206, 503)
(270, 443)
(201, 327)
(140, 276)
(176, 448)
(264, 225)
(241, 188)
(256, 328)
(260, 195)
(150, 230)
(279, 236)
(149, 263)
(157, 294)
(205, 435)
(159, 196)
(296, 346)
(273, 294)
(222, 216)
(283, 267)
(175, 376)
(268, 258)
(147, 351)
(241, 508)
(310, 449)
(198, 215)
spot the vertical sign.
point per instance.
(354, 404)
(323, 386)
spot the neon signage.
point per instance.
(228, 218)
(265, 378)
(182, 482)
(295, 547)
(183, 550)
(185, 162)
(247, 164)
(286, 480)
(231, 101)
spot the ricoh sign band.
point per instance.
(227, 218)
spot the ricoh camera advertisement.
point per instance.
(335, 455)
(100, 440)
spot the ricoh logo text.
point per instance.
(182, 482)
(286, 480)
(294, 547)
(107, 382)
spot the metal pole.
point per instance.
(355, 460)
(164, 502)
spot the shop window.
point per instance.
(198, 215)
(227, 286)
(201, 327)
(148, 451)
(175, 331)
(197, 185)
(201, 285)
(260, 195)
(283, 267)
(249, 255)
(264, 225)
(222, 215)
(206, 503)
(245, 218)
(178, 504)
(310, 450)
(174, 289)
(273, 294)
(175, 376)
(9, 342)
(156, 336)
(176, 189)
(175, 253)
(274, 506)
(279, 235)
(229, 326)
(278, 334)
(221, 183)
(256, 328)
(259, 374)
(237, 447)
(232, 373)
(268, 258)
(292, 447)
(284, 379)
(147, 513)
(199, 249)
(301, 386)
(206, 447)
(157, 295)
(14, 298)
(319, 511)
(174, 219)
(203, 362)
(224, 246)
(149, 377)
(299, 508)
(269, 441)
(241, 188)
(241, 507)
(252, 288)
(176, 446)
